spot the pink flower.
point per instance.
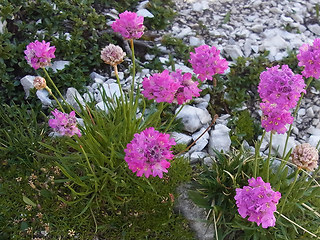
(64, 124)
(258, 201)
(275, 118)
(148, 153)
(39, 54)
(206, 62)
(281, 86)
(112, 55)
(160, 86)
(309, 57)
(188, 88)
(170, 87)
(129, 25)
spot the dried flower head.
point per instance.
(129, 25)
(258, 201)
(148, 153)
(64, 124)
(71, 233)
(281, 86)
(39, 54)
(309, 57)
(112, 55)
(39, 83)
(275, 118)
(206, 62)
(305, 156)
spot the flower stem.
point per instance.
(50, 92)
(55, 87)
(133, 70)
(294, 116)
(290, 189)
(115, 67)
(269, 156)
(257, 151)
(172, 119)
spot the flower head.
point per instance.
(309, 57)
(275, 118)
(188, 88)
(148, 153)
(39, 83)
(258, 201)
(206, 62)
(64, 124)
(129, 25)
(160, 86)
(112, 55)
(305, 156)
(281, 86)
(39, 54)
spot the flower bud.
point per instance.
(112, 55)
(39, 83)
(305, 156)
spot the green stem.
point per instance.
(294, 116)
(115, 67)
(257, 153)
(50, 92)
(55, 87)
(172, 119)
(133, 70)
(290, 189)
(269, 156)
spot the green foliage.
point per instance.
(243, 128)
(214, 190)
(163, 14)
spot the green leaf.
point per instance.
(28, 201)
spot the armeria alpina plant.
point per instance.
(295, 214)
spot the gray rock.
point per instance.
(181, 138)
(95, 75)
(219, 139)
(200, 6)
(197, 156)
(59, 65)
(196, 41)
(145, 13)
(2, 26)
(27, 84)
(43, 95)
(73, 97)
(233, 51)
(315, 28)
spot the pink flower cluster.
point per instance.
(281, 86)
(280, 90)
(148, 153)
(64, 124)
(309, 57)
(275, 118)
(206, 62)
(39, 54)
(258, 201)
(170, 87)
(129, 25)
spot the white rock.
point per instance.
(149, 57)
(196, 156)
(200, 6)
(184, 68)
(198, 134)
(278, 143)
(185, 32)
(208, 161)
(313, 140)
(43, 95)
(59, 65)
(95, 75)
(145, 13)
(223, 119)
(27, 84)
(233, 51)
(181, 138)
(315, 28)
(72, 96)
(2, 26)
(258, 28)
(310, 112)
(286, 19)
(193, 118)
(313, 131)
(142, 5)
(111, 90)
(195, 41)
(199, 146)
(247, 47)
(98, 80)
(274, 42)
(301, 112)
(219, 139)
(102, 106)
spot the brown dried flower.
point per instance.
(305, 156)
(112, 55)
(39, 83)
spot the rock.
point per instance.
(2, 26)
(314, 140)
(233, 51)
(258, 28)
(223, 119)
(315, 28)
(27, 84)
(145, 13)
(185, 32)
(197, 156)
(98, 80)
(43, 95)
(142, 5)
(95, 75)
(219, 139)
(193, 118)
(208, 161)
(310, 112)
(181, 138)
(195, 41)
(278, 143)
(102, 106)
(59, 65)
(200, 6)
(73, 97)
(301, 112)
(194, 214)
